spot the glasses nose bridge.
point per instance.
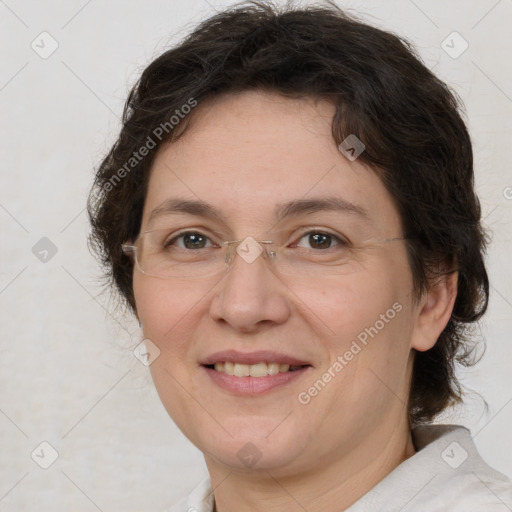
(252, 250)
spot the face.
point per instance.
(350, 333)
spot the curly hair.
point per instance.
(409, 121)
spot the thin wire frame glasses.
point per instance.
(156, 254)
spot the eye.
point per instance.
(320, 240)
(189, 240)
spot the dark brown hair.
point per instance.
(408, 119)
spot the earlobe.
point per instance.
(434, 311)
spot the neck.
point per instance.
(327, 486)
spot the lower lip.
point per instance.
(253, 385)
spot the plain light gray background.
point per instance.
(67, 373)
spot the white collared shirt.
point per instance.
(446, 474)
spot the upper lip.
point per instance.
(252, 358)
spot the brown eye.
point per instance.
(319, 240)
(190, 240)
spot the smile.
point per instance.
(253, 373)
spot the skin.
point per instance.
(243, 154)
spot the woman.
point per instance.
(289, 212)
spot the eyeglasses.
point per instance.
(166, 253)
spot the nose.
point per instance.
(250, 296)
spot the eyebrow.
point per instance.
(281, 211)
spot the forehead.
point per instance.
(248, 154)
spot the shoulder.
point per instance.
(463, 480)
(446, 474)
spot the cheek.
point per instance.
(350, 303)
(381, 325)
(371, 308)
(169, 315)
(167, 312)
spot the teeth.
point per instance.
(241, 370)
(253, 370)
(273, 368)
(258, 370)
(229, 368)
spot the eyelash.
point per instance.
(342, 242)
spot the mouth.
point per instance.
(253, 373)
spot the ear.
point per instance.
(434, 311)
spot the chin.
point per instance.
(255, 444)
